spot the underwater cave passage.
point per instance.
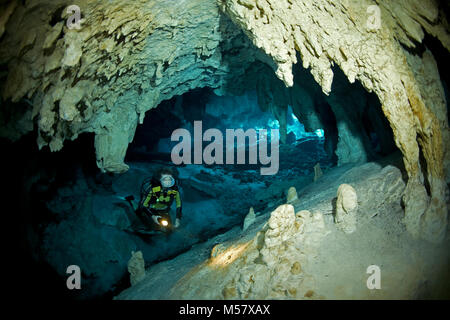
(219, 184)
(316, 133)
(72, 199)
(247, 129)
(82, 203)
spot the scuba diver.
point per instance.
(157, 196)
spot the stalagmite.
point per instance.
(291, 195)
(346, 208)
(317, 172)
(357, 86)
(249, 219)
(136, 267)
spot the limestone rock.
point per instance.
(6, 13)
(303, 214)
(73, 51)
(346, 208)
(325, 33)
(311, 230)
(273, 264)
(136, 267)
(380, 191)
(212, 44)
(87, 218)
(199, 49)
(292, 195)
(281, 228)
(249, 219)
(53, 35)
(298, 266)
(217, 250)
(317, 172)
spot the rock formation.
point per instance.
(249, 219)
(298, 253)
(317, 172)
(291, 195)
(136, 267)
(124, 60)
(274, 264)
(325, 33)
(346, 208)
(309, 265)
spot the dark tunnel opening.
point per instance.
(37, 176)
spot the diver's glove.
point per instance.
(177, 223)
(155, 218)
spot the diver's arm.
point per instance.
(147, 200)
(178, 202)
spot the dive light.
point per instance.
(163, 222)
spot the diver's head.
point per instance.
(167, 176)
(167, 180)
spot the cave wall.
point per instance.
(126, 58)
(328, 32)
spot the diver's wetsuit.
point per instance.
(159, 200)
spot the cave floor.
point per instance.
(410, 268)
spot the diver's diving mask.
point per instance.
(167, 180)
